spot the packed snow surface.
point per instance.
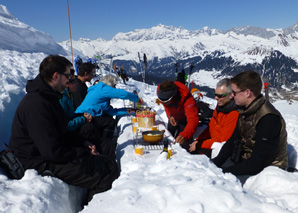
(150, 183)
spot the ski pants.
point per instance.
(72, 173)
(100, 132)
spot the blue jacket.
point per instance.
(97, 100)
(67, 105)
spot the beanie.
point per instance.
(167, 93)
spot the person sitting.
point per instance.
(205, 112)
(74, 122)
(85, 74)
(97, 100)
(181, 110)
(221, 125)
(41, 141)
(260, 137)
(82, 125)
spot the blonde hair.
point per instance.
(109, 80)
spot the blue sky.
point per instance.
(94, 18)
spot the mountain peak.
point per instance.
(16, 35)
(5, 13)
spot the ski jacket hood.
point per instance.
(40, 86)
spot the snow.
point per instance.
(148, 183)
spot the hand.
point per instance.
(140, 101)
(180, 139)
(173, 121)
(88, 117)
(192, 146)
(93, 150)
(92, 147)
(130, 110)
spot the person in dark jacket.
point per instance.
(74, 122)
(181, 109)
(85, 74)
(98, 133)
(181, 77)
(41, 141)
(260, 138)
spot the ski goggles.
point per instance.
(221, 95)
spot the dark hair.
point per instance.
(167, 86)
(72, 71)
(52, 64)
(85, 67)
(248, 80)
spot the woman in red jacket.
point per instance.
(223, 122)
(181, 110)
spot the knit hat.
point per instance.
(194, 90)
(167, 93)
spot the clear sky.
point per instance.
(104, 19)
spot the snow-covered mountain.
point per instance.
(17, 36)
(271, 52)
(184, 183)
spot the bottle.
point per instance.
(165, 148)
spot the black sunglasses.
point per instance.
(68, 76)
(235, 93)
(221, 95)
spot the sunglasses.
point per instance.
(235, 93)
(221, 95)
(68, 76)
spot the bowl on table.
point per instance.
(153, 136)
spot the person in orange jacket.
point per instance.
(221, 125)
(181, 110)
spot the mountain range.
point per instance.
(271, 52)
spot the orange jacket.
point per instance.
(186, 110)
(220, 128)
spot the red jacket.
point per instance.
(220, 128)
(186, 110)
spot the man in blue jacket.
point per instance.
(39, 136)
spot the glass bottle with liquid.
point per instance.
(165, 148)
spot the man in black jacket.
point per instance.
(40, 139)
(260, 137)
(85, 74)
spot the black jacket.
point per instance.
(267, 139)
(80, 93)
(39, 129)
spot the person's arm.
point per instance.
(73, 121)
(111, 92)
(191, 113)
(227, 149)
(76, 123)
(266, 141)
(46, 135)
(222, 131)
